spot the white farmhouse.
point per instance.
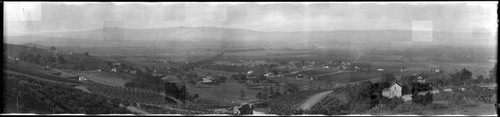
(207, 79)
(380, 70)
(81, 78)
(113, 70)
(392, 91)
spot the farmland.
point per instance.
(39, 74)
(346, 77)
(287, 104)
(27, 95)
(112, 79)
(130, 94)
(225, 94)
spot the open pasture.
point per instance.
(347, 77)
(225, 94)
(112, 79)
(478, 68)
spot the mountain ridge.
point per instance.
(223, 35)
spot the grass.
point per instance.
(131, 94)
(475, 108)
(33, 72)
(347, 77)
(225, 93)
(113, 79)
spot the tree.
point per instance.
(222, 79)
(37, 59)
(282, 62)
(298, 65)
(388, 77)
(195, 96)
(461, 77)
(259, 96)
(61, 59)
(421, 99)
(261, 77)
(290, 88)
(50, 60)
(271, 66)
(479, 79)
(52, 49)
(86, 53)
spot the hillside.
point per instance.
(41, 56)
(227, 36)
(26, 95)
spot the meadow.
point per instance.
(112, 79)
(228, 93)
(347, 77)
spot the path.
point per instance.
(330, 73)
(136, 110)
(313, 100)
(300, 70)
(39, 78)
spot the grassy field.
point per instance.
(131, 94)
(32, 71)
(112, 79)
(347, 77)
(476, 68)
(270, 52)
(203, 72)
(437, 109)
(228, 93)
(141, 61)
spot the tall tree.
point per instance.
(388, 77)
(479, 79)
(462, 76)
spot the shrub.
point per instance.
(438, 106)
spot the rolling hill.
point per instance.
(214, 36)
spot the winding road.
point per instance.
(313, 100)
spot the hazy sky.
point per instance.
(29, 17)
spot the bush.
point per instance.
(438, 107)
(422, 99)
(391, 103)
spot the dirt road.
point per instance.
(136, 110)
(313, 100)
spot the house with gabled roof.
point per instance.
(394, 90)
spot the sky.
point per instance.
(34, 17)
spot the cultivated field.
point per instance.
(112, 79)
(347, 77)
(224, 94)
(482, 68)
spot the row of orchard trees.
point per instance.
(61, 98)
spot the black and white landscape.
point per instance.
(240, 58)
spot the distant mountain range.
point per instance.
(213, 34)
